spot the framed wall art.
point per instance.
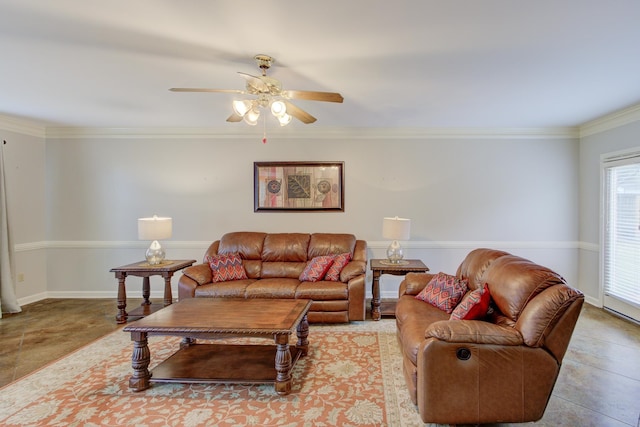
(298, 186)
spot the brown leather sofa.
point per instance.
(499, 369)
(273, 264)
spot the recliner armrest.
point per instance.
(473, 331)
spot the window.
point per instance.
(621, 234)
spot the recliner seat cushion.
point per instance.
(272, 288)
(322, 291)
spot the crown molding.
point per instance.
(22, 126)
(611, 121)
(252, 134)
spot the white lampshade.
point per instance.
(154, 228)
(278, 108)
(396, 228)
(252, 116)
(241, 107)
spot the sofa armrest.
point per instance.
(413, 283)
(353, 269)
(357, 304)
(473, 331)
(191, 278)
(200, 273)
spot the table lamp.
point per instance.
(395, 229)
(155, 228)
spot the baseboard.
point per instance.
(157, 295)
(32, 298)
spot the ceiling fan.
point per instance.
(268, 92)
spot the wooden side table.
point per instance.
(145, 270)
(380, 267)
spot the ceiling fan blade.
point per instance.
(299, 113)
(234, 118)
(195, 89)
(313, 96)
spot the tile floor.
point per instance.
(599, 384)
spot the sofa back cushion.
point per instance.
(330, 244)
(285, 247)
(514, 281)
(248, 244)
(272, 255)
(475, 264)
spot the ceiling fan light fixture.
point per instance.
(269, 94)
(284, 119)
(241, 107)
(252, 116)
(278, 108)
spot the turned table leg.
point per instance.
(303, 332)
(146, 290)
(283, 364)
(121, 317)
(168, 298)
(140, 362)
(375, 300)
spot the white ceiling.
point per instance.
(398, 64)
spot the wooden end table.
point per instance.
(210, 318)
(145, 270)
(380, 267)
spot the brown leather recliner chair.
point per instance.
(499, 369)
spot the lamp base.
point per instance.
(395, 253)
(155, 254)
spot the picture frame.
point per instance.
(298, 186)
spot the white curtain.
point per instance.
(8, 299)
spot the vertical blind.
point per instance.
(622, 229)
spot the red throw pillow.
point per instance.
(339, 261)
(474, 305)
(226, 267)
(316, 268)
(444, 291)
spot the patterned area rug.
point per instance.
(352, 376)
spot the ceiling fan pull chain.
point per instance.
(264, 130)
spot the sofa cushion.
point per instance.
(226, 267)
(232, 289)
(515, 281)
(289, 270)
(476, 263)
(316, 268)
(322, 291)
(443, 291)
(285, 247)
(474, 305)
(272, 288)
(330, 244)
(339, 261)
(248, 244)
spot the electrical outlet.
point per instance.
(20, 277)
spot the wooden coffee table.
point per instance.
(212, 318)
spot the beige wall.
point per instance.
(518, 193)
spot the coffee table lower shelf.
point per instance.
(222, 363)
